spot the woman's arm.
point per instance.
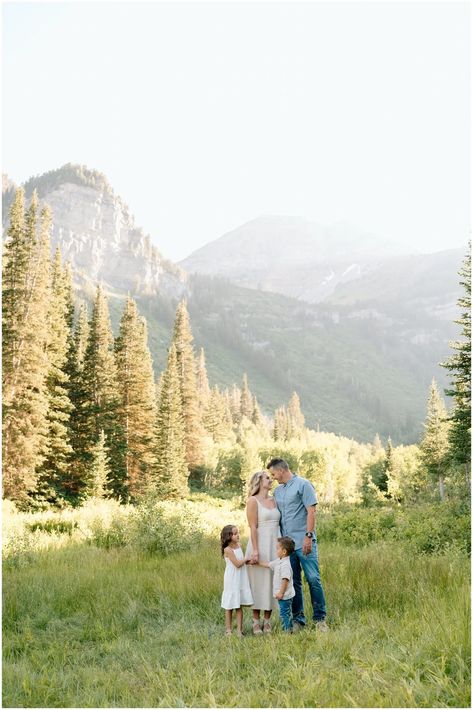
(228, 552)
(252, 516)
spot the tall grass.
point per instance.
(93, 627)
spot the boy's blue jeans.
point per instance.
(285, 612)
(309, 564)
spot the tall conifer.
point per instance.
(26, 287)
(79, 422)
(295, 418)
(171, 469)
(54, 470)
(434, 444)
(102, 393)
(459, 365)
(246, 399)
(137, 408)
(182, 340)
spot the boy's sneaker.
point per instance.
(296, 627)
(322, 626)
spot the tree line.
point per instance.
(84, 416)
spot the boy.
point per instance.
(283, 588)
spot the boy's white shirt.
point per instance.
(282, 570)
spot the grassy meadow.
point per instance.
(91, 618)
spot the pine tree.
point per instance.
(25, 340)
(171, 470)
(257, 417)
(137, 408)
(99, 469)
(203, 387)
(295, 418)
(234, 401)
(434, 445)
(215, 417)
(246, 399)
(54, 470)
(194, 433)
(79, 422)
(99, 379)
(280, 429)
(459, 365)
(388, 468)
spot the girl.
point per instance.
(236, 587)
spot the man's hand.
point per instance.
(307, 546)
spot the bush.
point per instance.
(425, 529)
(156, 527)
(51, 525)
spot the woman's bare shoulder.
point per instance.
(251, 502)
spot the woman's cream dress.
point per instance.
(260, 577)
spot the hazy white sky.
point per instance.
(206, 115)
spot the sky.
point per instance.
(204, 116)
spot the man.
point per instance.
(296, 500)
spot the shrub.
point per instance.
(51, 525)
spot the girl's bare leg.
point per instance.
(239, 620)
(267, 615)
(228, 620)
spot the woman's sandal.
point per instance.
(267, 627)
(256, 627)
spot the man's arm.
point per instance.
(310, 527)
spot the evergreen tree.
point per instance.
(376, 446)
(295, 418)
(388, 468)
(246, 399)
(215, 417)
(99, 469)
(234, 401)
(194, 433)
(171, 470)
(99, 379)
(203, 387)
(26, 292)
(459, 365)
(79, 421)
(257, 417)
(280, 430)
(434, 444)
(54, 470)
(137, 408)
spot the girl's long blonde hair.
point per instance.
(255, 483)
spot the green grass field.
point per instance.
(90, 627)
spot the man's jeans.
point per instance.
(309, 564)
(285, 612)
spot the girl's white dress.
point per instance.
(236, 587)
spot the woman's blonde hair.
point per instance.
(255, 483)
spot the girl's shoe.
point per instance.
(228, 632)
(256, 628)
(267, 627)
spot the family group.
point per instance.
(282, 545)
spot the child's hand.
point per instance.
(279, 596)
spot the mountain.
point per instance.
(97, 234)
(292, 256)
(361, 360)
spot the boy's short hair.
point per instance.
(287, 543)
(278, 463)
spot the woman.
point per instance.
(263, 519)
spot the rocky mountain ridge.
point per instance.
(292, 256)
(97, 233)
